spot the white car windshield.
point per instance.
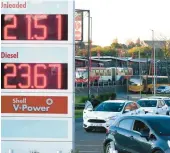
(110, 107)
(161, 87)
(147, 103)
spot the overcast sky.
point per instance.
(127, 19)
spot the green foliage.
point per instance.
(144, 50)
(83, 99)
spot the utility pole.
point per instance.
(140, 74)
(89, 43)
(154, 60)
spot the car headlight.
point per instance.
(169, 143)
(86, 117)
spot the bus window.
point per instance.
(101, 73)
(162, 80)
(97, 72)
(149, 81)
(107, 72)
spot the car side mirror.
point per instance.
(144, 134)
(89, 109)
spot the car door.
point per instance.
(140, 144)
(122, 135)
(159, 107)
(128, 109)
(164, 107)
(135, 108)
(88, 107)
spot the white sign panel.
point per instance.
(37, 61)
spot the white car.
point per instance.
(163, 89)
(105, 113)
(166, 100)
(153, 106)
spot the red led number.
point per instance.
(12, 74)
(26, 75)
(39, 79)
(32, 22)
(38, 76)
(58, 66)
(34, 19)
(10, 26)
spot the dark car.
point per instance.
(139, 134)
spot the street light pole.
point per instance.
(154, 88)
(140, 73)
(88, 54)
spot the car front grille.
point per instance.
(96, 121)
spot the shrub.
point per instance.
(83, 99)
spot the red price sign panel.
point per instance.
(34, 27)
(79, 26)
(34, 104)
(33, 76)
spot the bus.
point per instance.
(103, 74)
(145, 83)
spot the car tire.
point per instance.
(108, 147)
(87, 130)
(158, 151)
(168, 113)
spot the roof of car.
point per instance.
(158, 97)
(148, 99)
(117, 101)
(146, 117)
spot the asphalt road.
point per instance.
(88, 142)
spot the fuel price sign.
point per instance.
(37, 76)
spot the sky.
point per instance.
(126, 19)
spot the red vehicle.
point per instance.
(103, 74)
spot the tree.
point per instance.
(144, 51)
(130, 44)
(138, 43)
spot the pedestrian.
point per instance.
(94, 101)
(112, 96)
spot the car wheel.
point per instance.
(87, 130)
(168, 113)
(109, 149)
(158, 151)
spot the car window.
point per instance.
(134, 106)
(140, 126)
(162, 103)
(159, 104)
(126, 124)
(147, 103)
(110, 107)
(167, 101)
(128, 107)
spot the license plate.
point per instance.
(96, 124)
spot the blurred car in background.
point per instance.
(166, 100)
(153, 106)
(163, 89)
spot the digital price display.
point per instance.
(34, 27)
(33, 76)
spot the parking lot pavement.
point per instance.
(88, 142)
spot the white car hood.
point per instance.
(102, 115)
